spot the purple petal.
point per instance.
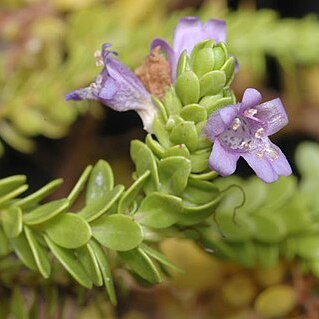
(187, 34)
(81, 94)
(229, 113)
(222, 161)
(280, 165)
(109, 89)
(215, 29)
(250, 99)
(172, 59)
(273, 114)
(261, 166)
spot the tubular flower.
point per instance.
(188, 33)
(117, 87)
(242, 130)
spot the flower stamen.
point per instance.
(236, 124)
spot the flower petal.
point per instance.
(280, 164)
(251, 98)
(187, 34)
(81, 94)
(108, 90)
(222, 161)
(169, 51)
(262, 167)
(215, 29)
(273, 114)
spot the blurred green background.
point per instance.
(47, 49)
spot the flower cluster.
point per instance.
(238, 130)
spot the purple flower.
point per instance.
(188, 33)
(242, 130)
(117, 87)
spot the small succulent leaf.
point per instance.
(307, 159)
(199, 161)
(229, 69)
(256, 194)
(154, 146)
(12, 221)
(200, 192)
(187, 87)
(4, 243)
(208, 100)
(45, 212)
(153, 253)
(103, 262)
(219, 104)
(144, 160)
(117, 232)
(68, 230)
(161, 133)
(194, 112)
(69, 261)
(269, 228)
(22, 249)
(177, 150)
(128, 198)
(95, 208)
(100, 182)
(40, 254)
(16, 192)
(79, 185)
(203, 61)
(32, 200)
(18, 305)
(267, 254)
(161, 108)
(159, 210)
(183, 64)
(245, 253)
(195, 214)
(185, 133)
(174, 173)
(307, 246)
(212, 83)
(89, 261)
(220, 56)
(140, 263)
(171, 102)
(9, 184)
(204, 176)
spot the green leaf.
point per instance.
(117, 232)
(94, 209)
(225, 101)
(18, 306)
(307, 159)
(16, 192)
(160, 257)
(187, 87)
(40, 254)
(195, 214)
(177, 150)
(174, 173)
(101, 181)
(139, 262)
(129, 196)
(9, 184)
(68, 230)
(4, 243)
(182, 64)
(161, 133)
(212, 83)
(45, 212)
(88, 260)
(200, 192)
(245, 253)
(159, 211)
(229, 69)
(185, 133)
(105, 270)
(199, 160)
(267, 255)
(154, 146)
(307, 246)
(144, 160)
(22, 249)
(220, 56)
(161, 108)
(171, 102)
(203, 61)
(36, 197)
(12, 221)
(194, 112)
(79, 185)
(269, 229)
(69, 261)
